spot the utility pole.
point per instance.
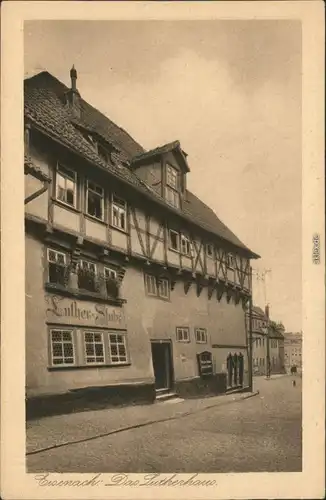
(268, 361)
(261, 276)
(250, 335)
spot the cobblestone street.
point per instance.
(262, 433)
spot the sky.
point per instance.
(230, 91)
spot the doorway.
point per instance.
(162, 364)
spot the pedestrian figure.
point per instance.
(293, 372)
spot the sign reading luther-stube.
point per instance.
(76, 312)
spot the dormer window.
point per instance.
(172, 177)
(172, 195)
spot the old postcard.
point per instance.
(163, 305)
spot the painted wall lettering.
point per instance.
(63, 310)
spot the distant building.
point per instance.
(293, 350)
(260, 339)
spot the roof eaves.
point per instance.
(30, 168)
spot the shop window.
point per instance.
(66, 186)
(84, 348)
(57, 267)
(117, 348)
(174, 240)
(87, 276)
(94, 200)
(119, 210)
(201, 335)
(182, 334)
(62, 347)
(94, 347)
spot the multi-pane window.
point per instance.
(62, 347)
(163, 288)
(172, 197)
(94, 200)
(185, 245)
(117, 348)
(110, 273)
(201, 335)
(87, 276)
(66, 186)
(119, 208)
(172, 187)
(174, 238)
(94, 347)
(182, 334)
(158, 287)
(172, 177)
(210, 250)
(111, 283)
(57, 267)
(230, 261)
(150, 284)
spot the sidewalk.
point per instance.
(61, 430)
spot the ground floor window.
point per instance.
(94, 347)
(118, 351)
(62, 347)
(83, 347)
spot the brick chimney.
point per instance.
(73, 96)
(267, 311)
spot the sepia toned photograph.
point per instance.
(163, 305)
(163, 261)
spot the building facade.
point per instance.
(293, 351)
(267, 342)
(134, 287)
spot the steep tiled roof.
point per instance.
(276, 334)
(45, 107)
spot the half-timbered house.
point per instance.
(134, 287)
